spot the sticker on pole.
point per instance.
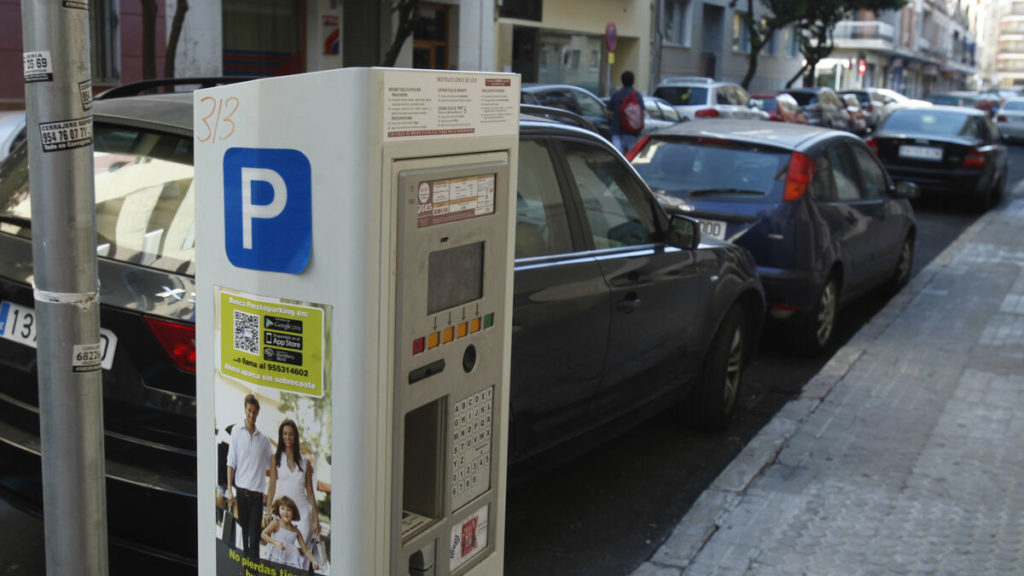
(268, 342)
(38, 66)
(87, 357)
(66, 134)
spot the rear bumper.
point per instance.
(151, 510)
(795, 290)
(960, 182)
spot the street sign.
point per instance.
(611, 36)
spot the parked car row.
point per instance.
(617, 304)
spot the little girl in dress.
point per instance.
(283, 539)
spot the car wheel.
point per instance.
(820, 325)
(713, 402)
(904, 265)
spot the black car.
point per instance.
(616, 305)
(824, 221)
(950, 151)
(572, 98)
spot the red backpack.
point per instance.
(631, 114)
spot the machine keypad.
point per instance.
(471, 447)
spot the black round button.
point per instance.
(469, 359)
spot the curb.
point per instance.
(710, 510)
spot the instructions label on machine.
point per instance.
(269, 342)
(449, 104)
(454, 199)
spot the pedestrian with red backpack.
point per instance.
(627, 122)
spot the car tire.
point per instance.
(904, 265)
(819, 327)
(712, 404)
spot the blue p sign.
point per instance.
(268, 209)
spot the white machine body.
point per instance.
(354, 274)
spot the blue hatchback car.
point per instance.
(818, 211)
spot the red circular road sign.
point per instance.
(611, 36)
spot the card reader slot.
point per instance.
(424, 372)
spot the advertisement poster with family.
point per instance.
(273, 420)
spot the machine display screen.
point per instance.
(455, 276)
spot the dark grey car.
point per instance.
(822, 106)
(616, 305)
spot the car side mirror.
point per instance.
(906, 189)
(684, 232)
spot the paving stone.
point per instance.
(902, 456)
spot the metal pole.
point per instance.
(58, 94)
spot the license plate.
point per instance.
(713, 229)
(18, 323)
(921, 152)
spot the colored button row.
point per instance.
(452, 333)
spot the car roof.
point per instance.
(167, 112)
(694, 81)
(813, 90)
(543, 87)
(965, 110)
(779, 134)
(173, 113)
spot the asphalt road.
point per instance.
(603, 504)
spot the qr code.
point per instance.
(247, 333)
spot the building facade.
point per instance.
(927, 46)
(1010, 57)
(708, 38)
(558, 41)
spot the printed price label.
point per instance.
(38, 67)
(86, 357)
(66, 134)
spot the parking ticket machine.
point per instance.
(354, 276)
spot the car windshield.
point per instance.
(721, 170)
(683, 95)
(144, 197)
(927, 121)
(767, 104)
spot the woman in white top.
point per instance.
(291, 474)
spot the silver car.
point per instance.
(1010, 119)
(698, 97)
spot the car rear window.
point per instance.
(144, 197)
(683, 95)
(713, 169)
(927, 121)
(804, 98)
(1016, 106)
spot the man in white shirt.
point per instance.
(248, 461)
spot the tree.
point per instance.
(820, 23)
(818, 16)
(408, 11)
(780, 13)
(172, 41)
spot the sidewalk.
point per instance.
(904, 455)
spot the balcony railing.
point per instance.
(864, 30)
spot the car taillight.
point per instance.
(798, 177)
(178, 340)
(974, 159)
(870, 108)
(706, 113)
(873, 144)
(1001, 118)
(636, 149)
